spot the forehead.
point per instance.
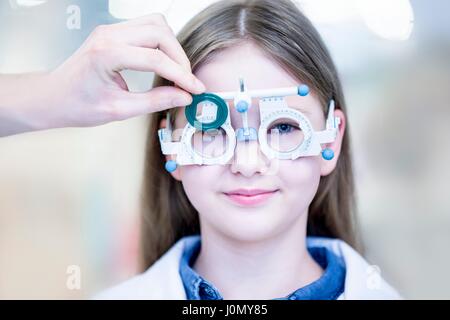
(259, 71)
(222, 72)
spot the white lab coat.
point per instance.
(162, 279)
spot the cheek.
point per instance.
(199, 182)
(300, 179)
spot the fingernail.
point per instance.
(199, 85)
(181, 101)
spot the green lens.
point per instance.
(206, 123)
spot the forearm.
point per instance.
(22, 102)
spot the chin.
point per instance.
(249, 224)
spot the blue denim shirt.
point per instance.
(328, 287)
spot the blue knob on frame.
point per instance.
(171, 166)
(242, 106)
(303, 90)
(327, 154)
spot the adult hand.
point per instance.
(88, 90)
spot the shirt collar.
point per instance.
(195, 286)
(328, 287)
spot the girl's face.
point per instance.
(284, 188)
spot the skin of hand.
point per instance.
(88, 90)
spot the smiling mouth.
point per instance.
(250, 197)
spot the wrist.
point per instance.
(42, 102)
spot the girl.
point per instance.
(244, 230)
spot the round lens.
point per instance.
(284, 135)
(206, 112)
(211, 143)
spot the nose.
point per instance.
(248, 159)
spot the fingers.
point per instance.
(145, 44)
(155, 37)
(129, 104)
(153, 31)
(119, 80)
(152, 19)
(153, 60)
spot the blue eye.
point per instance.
(283, 128)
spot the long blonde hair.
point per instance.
(283, 32)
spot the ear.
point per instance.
(327, 166)
(175, 174)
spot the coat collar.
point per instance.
(162, 279)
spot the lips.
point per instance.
(250, 197)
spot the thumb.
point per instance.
(160, 98)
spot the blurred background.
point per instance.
(69, 198)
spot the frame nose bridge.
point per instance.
(253, 114)
(248, 150)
